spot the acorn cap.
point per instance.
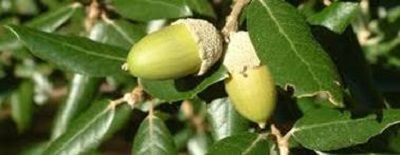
(240, 54)
(208, 40)
(250, 85)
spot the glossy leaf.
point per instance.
(153, 138)
(82, 90)
(336, 17)
(146, 10)
(50, 21)
(243, 144)
(22, 105)
(353, 67)
(282, 38)
(47, 22)
(90, 129)
(119, 33)
(183, 88)
(328, 129)
(201, 7)
(224, 120)
(76, 54)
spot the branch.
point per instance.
(283, 141)
(231, 24)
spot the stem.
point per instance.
(231, 24)
(283, 141)
(135, 96)
(93, 14)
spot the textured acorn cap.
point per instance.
(240, 54)
(208, 40)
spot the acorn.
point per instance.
(187, 46)
(250, 85)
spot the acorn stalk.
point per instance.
(250, 85)
(188, 46)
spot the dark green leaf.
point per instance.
(328, 129)
(35, 149)
(153, 138)
(82, 90)
(184, 88)
(118, 33)
(283, 42)
(353, 67)
(90, 129)
(336, 17)
(145, 10)
(394, 141)
(47, 22)
(50, 21)
(310, 7)
(76, 54)
(224, 120)
(243, 144)
(201, 7)
(22, 105)
(182, 137)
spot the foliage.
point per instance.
(63, 91)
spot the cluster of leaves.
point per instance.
(336, 67)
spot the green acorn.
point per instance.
(250, 85)
(187, 46)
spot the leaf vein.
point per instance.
(292, 45)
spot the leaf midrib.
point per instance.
(334, 122)
(292, 46)
(87, 125)
(77, 48)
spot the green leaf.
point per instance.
(243, 144)
(153, 138)
(52, 20)
(353, 67)
(183, 88)
(328, 129)
(22, 105)
(82, 90)
(7, 40)
(90, 129)
(47, 22)
(76, 54)
(284, 43)
(202, 7)
(34, 149)
(182, 137)
(119, 33)
(336, 17)
(146, 10)
(224, 120)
